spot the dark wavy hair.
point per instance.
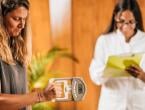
(124, 5)
(13, 48)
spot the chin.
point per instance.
(15, 35)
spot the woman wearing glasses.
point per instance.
(125, 35)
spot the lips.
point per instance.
(18, 31)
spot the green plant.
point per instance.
(44, 106)
(39, 69)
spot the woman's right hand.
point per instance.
(49, 92)
(52, 91)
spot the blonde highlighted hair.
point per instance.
(15, 48)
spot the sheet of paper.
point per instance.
(116, 64)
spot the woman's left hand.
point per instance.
(136, 72)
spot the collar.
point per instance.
(134, 38)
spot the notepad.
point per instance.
(117, 64)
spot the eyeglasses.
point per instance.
(124, 22)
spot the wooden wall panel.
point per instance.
(142, 7)
(60, 23)
(61, 33)
(40, 23)
(90, 18)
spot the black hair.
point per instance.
(124, 5)
(9, 5)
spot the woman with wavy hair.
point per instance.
(15, 52)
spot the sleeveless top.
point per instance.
(12, 79)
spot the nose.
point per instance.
(126, 27)
(21, 24)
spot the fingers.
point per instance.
(137, 67)
(50, 87)
(53, 90)
(134, 70)
(49, 92)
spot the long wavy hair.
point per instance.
(14, 49)
(124, 5)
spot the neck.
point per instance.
(128, 38)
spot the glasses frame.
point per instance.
(125, 22)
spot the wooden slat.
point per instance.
(40, 23)
(142, 7)
(90, 18)
(60, 22)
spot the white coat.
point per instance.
(124, 93)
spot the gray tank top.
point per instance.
(12, 79)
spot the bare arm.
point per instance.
(15, 102)
(8, 101)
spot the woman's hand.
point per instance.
(52, 91)
(136, 72)
(49, 92)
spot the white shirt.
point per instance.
(124, 93)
